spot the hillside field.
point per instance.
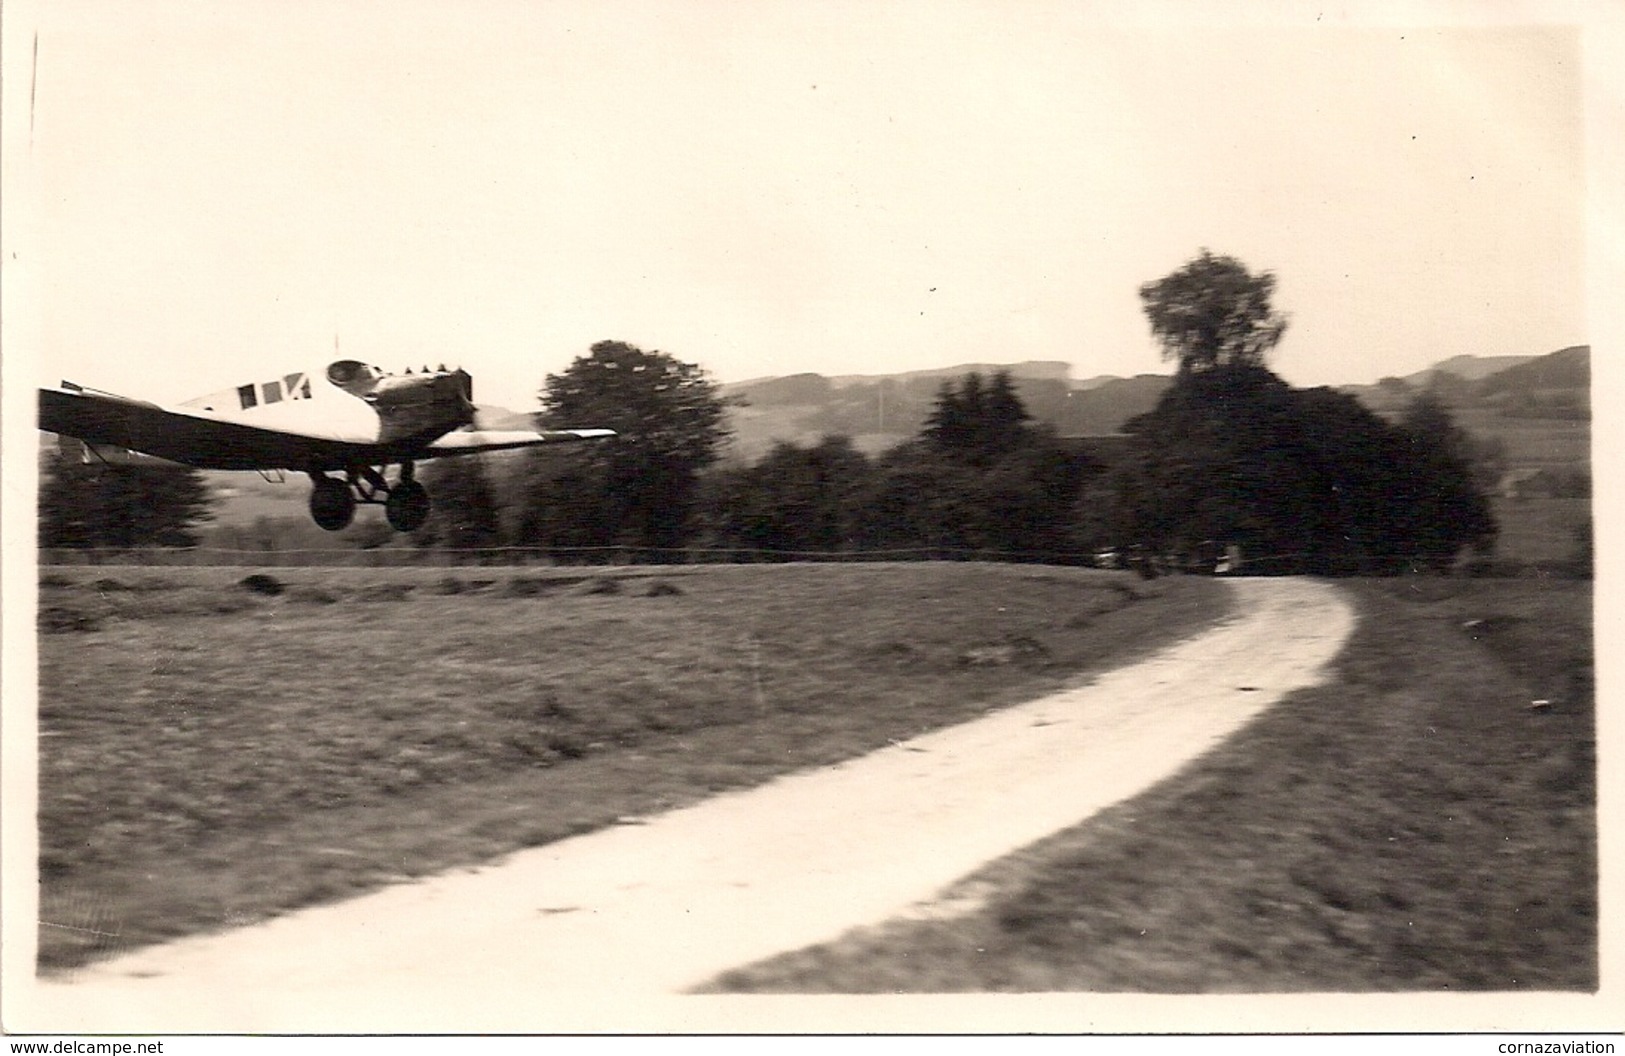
(1551, 443)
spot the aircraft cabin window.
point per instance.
(298, 386)
(245, 393)
(272, 391)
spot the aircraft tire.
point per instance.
(408, 506)
(332, 506)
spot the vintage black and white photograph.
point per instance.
(803, 517)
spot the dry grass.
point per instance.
(1414, 826)
(213, 754)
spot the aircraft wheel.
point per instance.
(332, 506)
(408, 506)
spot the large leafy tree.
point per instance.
(465, 514)
(1213, 312)
(1428, 419)
(639, 489)
(796, 499)
(1447, 505)
(1303, 480)
(142, 503)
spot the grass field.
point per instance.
(1539, 533)
(1416, 825)
(211, 755)
(1558, 443)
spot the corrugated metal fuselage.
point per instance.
(299, 422)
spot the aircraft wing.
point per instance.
(195, 438)
(474, 441)
(208, 440)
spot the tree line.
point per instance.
(1231, 457)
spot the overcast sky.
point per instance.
(221, 191)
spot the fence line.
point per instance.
(521, 555)
(530, 556)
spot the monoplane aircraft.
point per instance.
(354, 420)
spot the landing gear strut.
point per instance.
(333, 501)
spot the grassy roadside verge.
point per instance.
(211, 755)
(1414, 826)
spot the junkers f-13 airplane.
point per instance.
(355, 420)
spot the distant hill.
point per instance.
(797, 390)
(1103, 407)
(1032, 369)
(880, 411)
(1557, 385)
(1472, 368)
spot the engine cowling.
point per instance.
(354, 377)
(408, 405)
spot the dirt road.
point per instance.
(573, 934)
